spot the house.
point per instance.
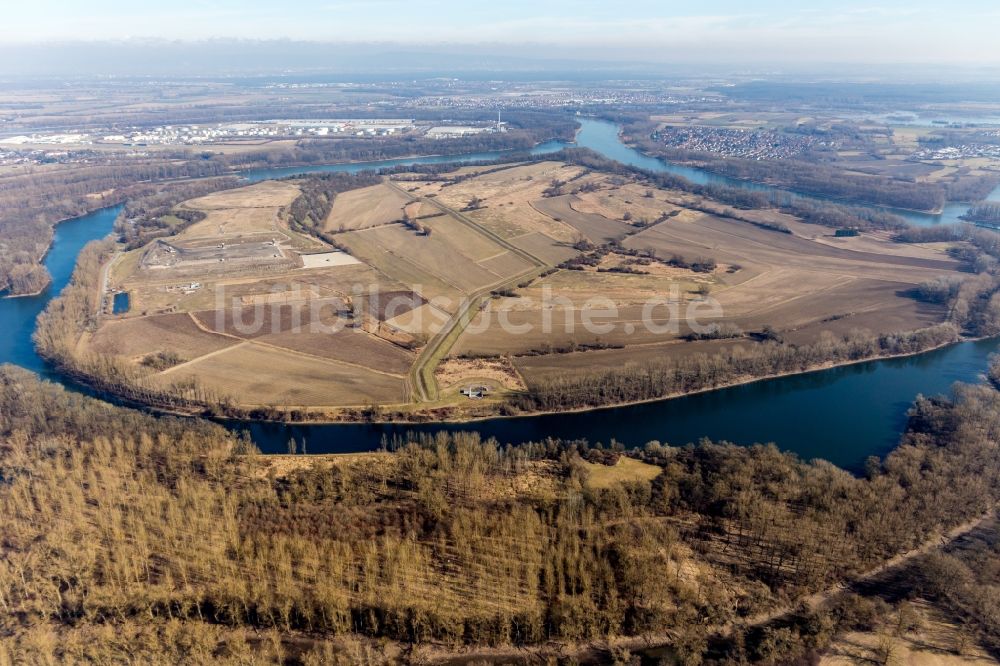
(475, 392)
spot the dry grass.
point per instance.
(256, 375)
(546, 248)
(376, 463)
(365, 207)
(351, 345)
(496, 372)
(625, 470)
(422, 322)
(596, 228)
(137, 337)
(505, 184)
(804, 284)
(558, 307)
(449, 256)
(935, 642)
(230, 221)
(267, 194)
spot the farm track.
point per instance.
(287, 350)
(421, 384)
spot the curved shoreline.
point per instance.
(846, 201)
(356, 434)
(48, 249)
(84, 381)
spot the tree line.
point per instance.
(815, 177)
(984, 211)
(308, 212)
(31, 204)
(114, 518)
(699, 371)
(152, 212)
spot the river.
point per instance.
(843, 414)
(17, 315)
(603, 137)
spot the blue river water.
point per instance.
(17, 315)
(603, 137)
(842, 414)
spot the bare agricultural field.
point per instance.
(880, 243)
(734, 242)
(617, 203)
(801, 286)
(462, 238)
(519, 182)
(256, 375)
(328, 260)
(584, 308)
(135, 338)
(397, 269)
(230, 221)
(267, 194)
(366, 207)
(448, 257)
(506, 264)
(620, 288)
(546, 248)
(255, 321)
(350, 345)
(517, 218)
(422, 322)
(271, 327)
(342, 280)
(596, 228)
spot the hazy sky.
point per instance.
(955, 31)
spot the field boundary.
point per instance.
(422, 375)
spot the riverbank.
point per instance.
(950, 212)
(255, 174)
(846, 201)
(876, 393)
(38, 292)
(48, 248)
(426, 418)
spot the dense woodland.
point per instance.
(128, 537)
(985, 211)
